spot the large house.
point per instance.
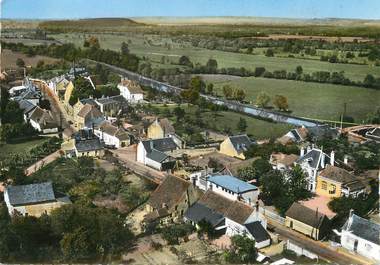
(161, 128)
(337, 182)
(170, 200)
(235, 146)
(111, 135)
(42, 120)
(88, 117)
(294, 136)
(312, 162)
(307, 221)
(33, 199)
(131, 91)
(230, 217)
(227, 186)
(88, 144)
(361, 236)
(156, 153)
(111, 106)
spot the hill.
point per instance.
(90, 24)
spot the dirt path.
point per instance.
(43, 162)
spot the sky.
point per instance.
(61, 9)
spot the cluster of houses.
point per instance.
(230, 205)
(29, 98)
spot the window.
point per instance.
(324, 185)
(332, 189)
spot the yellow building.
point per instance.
(68, 92)
(88, 116)
(160, 128)
(235, 146)
(307, 221)
(337, 182)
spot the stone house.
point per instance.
(235, 146)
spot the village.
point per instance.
(304, 197)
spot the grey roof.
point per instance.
(231, 183)
(198, 212)
(26, 105)
(257, 231)
(88, 145)
(30, 194)
(313, 158)
(90, 101)
(162, 144)
(375, 132)
(363, 228)
(296, 135)
(107, 100)
(240, 142)
(305, 215)
(157, 156)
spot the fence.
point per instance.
(300, 251)
(272, 215)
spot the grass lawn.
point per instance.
(259, 129)
(312, 100)
(157, 49)
(23, 147)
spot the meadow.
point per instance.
(6, 149)
(155, 47)
(311, 100)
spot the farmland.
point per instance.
(8, 59)
(155, 47)
(313, 100)
(18, 148)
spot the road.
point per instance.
(127, 156)
(232, 105)
(59, 114)
(322, 249)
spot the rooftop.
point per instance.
(30, 194)
(305, 215)
(231, 183)
(88, 145)
(363, 228)
(241, 142)
(338, 174)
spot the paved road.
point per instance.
(322, 249)
(232, 105)
(127, 156)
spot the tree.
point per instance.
(269, 53)
(281, 102)
(210, 88)
(93, 42)
(20, 62)
(259, 71)
(239, 94)
(299, 70)
(77, 245)
(124, 48)
(184, 60)
(179, 113)
(262, 99)
(369, 80)
(227, 91)
(205, 227)
(212, 66)
(298, 183)
(242, 125)
(242, 250)
(40, 63)
(197, 84)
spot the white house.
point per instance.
(230, 217)
(156, 153)
(33, 199)
(312, 162)
(42, 120)
(282, 162)
(131, 91)
(111, 135)
(361, 236)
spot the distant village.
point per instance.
(217, 186)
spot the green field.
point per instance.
(259, 129)
(312, 100)
(22, 147)
(163, 46)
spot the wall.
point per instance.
(141, 153)
(155, 131)
(325, 192)
(300, 251)
(35, 125)
(152, 163)
(227, 148)
(97, 153)
(302, 228)
(364, 248)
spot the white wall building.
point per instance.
(131, 91)
(361, 236)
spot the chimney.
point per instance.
(332, 158)
(345, 160)
(302, 152)
(323, 160)
(351, 213)
(308, 149)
